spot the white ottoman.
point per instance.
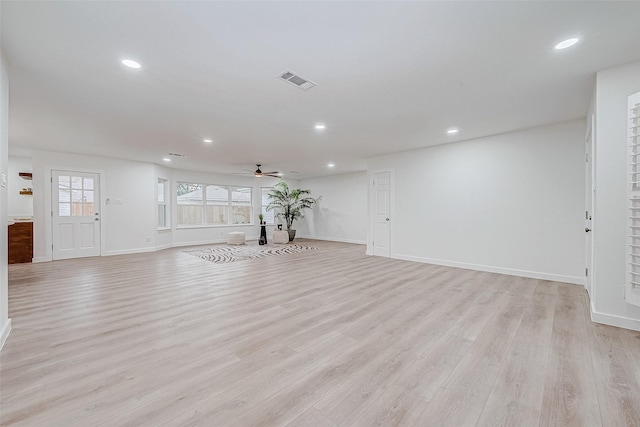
(280, 236)
(236, 238)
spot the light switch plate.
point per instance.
(3, 179)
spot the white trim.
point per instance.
(491, 269)
(334, 239)
(156, 248)
(129, 251)
(611, 320)
(4, 334)
(370, 201)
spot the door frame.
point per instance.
(372, 217)
(590, 140)
(48, 208)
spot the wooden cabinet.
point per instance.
(20, 242)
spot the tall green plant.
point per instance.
(289, 203)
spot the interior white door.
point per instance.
(380, 198)
(75, 214)
(588, 220)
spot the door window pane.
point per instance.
(64, 196)
(88, 183)
(64, 182)
(64, 209)
(76, 195)
(76, 182)
(88, 209)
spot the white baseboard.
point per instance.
(611, 320)
(152, 248)
(129, 251)
(333, 239)
(500, 270)
(4, 333)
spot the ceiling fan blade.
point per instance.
(270, 173)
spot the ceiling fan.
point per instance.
(258, 173)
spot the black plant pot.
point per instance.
(292, 235)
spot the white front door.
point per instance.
(588, 220)
(75, 203)
(380, 209)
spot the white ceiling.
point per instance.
(391, 76)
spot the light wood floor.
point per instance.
(323, 338)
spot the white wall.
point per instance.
(130, 225)
(5, 322)
(613, 86)
(341, 214)
(19, 205)
(125, 228)
(510, 203)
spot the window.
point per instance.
(163, 200)
(75, 196)
(211, 205)
(269, 216)
(240, 205)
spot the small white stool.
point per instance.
(280, 236)
(236, 238)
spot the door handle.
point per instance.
(387, 219)
(97, 219)
(586, 229)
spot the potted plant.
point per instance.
(289, 204)
(261, 217)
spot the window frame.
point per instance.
(263, 207)
(166, 204)
(204, 202)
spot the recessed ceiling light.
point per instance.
(567, 43)
(166, 159)
(131, 63)
(330, 165)
(452, 131)
(208, 141)
(320, 126)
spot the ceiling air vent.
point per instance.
(291, 77)
(177, 155)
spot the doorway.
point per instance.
(380, 213)
(75, 216)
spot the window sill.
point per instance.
(163, 229)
